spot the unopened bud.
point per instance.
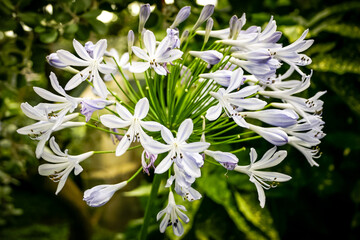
(130, 39)
(143, 16)
(206, 12)
(184, 36)
(209, 26)
(182, 15)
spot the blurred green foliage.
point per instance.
(318, 202)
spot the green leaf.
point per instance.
(70, 30)
(99, 27)
(8, 24)
(343, 7)
(31, 19)
(259, 217)
(80, 6)
(339, 65)
(49, 36)
(92, 14)
(346, 30)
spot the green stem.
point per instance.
(149, 206)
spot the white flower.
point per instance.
(273, 135)
(306, 149)
(185, 155)
(172, 214)
(61, 164)
(260, 178)
(116, 60)
(67, 102)
(230, 101)
(156, 58)
(101, 194)
(183, 183)
(212, 57)
(134, 122)
(48, 123)
(93, 65)
(226, 159)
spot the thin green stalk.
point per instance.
(149, 206)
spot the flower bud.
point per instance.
(232, 24)
(101, 194)
(209, 26)
(226, 159)
(130, 39)
(211, 56)
(54, 61)
(206, 12)
(143, 16)
(184, 36)
(182, 15)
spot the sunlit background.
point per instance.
(319, 202)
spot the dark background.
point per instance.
(319, 202)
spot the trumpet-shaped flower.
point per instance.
(226, 159)
(133, 122)
(172, 214)
(67, 102)
(93, 65)
(183, 183)
(153, 57)
(185, 155)
(61, 164)
(48, 123)
(101, 194)
(230, 101)
(89, 106)
(260, 178)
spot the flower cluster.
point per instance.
(186, 104)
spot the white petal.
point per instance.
(164, 223)
(178, 229)
(253, 155)
(106, 68)
(195, 147)
(213, 112)
(41, 144)
(123, 112)
(165, 164)
(150, 42)
(53, 158)
(235, 80)
(151, 126)
(55, 84)
(156, 147)
(170, 56)
(99, 49)
(69, 59)
(31, 112)
(190, 167)
(81, 51)
(55, 147)
(162, 48)
(45, 94)
(185, 130)
(260, 190)
(47, 169)
(111, 121)
(78, 169)
(62, 181)
(159, 70)
(272, 176)
(123, 146)
(167, 135)
(99, 85)
(139, 67)
(141, 108)
(249, 103)
(141, 53)
(77, 79)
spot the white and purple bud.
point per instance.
(275, 117)
(208, 28)
(89, 47)
(211, 56)
(184, 36)
(173, 36)
(182, 15)
(232, 25)
(54, 61)
(274, 136)
(206, 12)
(226, 159)
(88, 106)
(130, 39)
(143, 16)
(150, 158)
(101, 194)
(222, 77)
